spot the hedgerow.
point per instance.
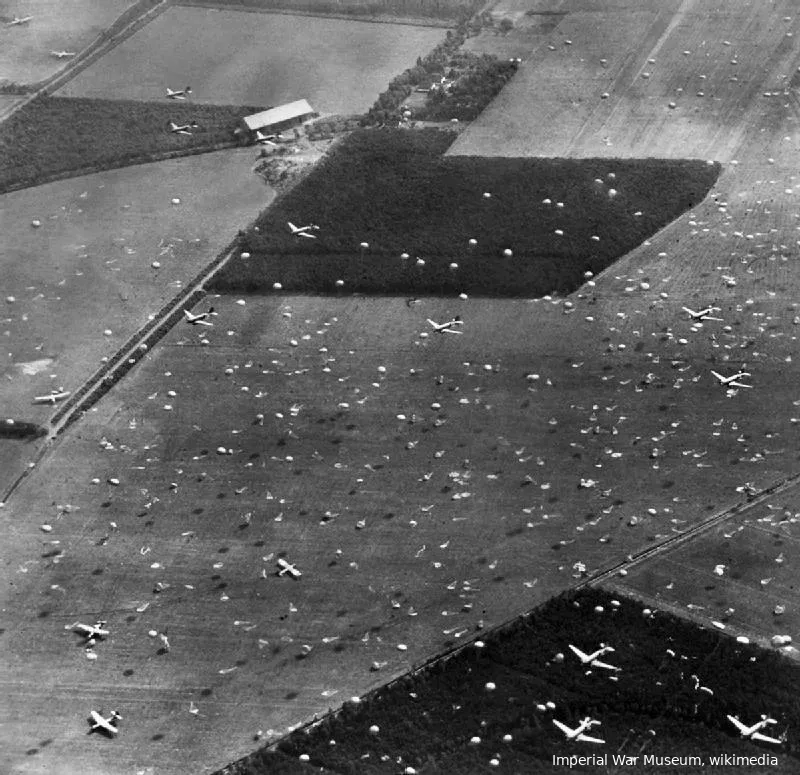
(395, 191)
(52, 135)
(428, 720)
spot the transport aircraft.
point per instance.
(62, 54)
(92, 631)
(180, 94)
(577, 733)
(18, 20)
(182, 129)
(448, 327)
(703, 314)
(53, 397)
(303, 231)
(592, 659)
(201, 319)
(733, 380)
(288, 567)
(752, 732)
(106, 725)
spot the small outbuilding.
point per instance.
(280, 118)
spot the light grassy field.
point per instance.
(691, 87)
(88, 267)
(56, 25)
(231, 57)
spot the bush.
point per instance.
(396, 191)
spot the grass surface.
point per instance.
(393, 190)
(54, 135)
(430, 721)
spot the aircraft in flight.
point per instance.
(62, 54)
(303, 231)
(51, 398)
(17, 20)
(180, 94)
(182, 129)
(288, 567)
(733, 380)
(592, 659)
(448, 327)
(577, 733)
(106, 725)
(752, 732)
(703, 314)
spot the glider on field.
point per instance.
(732, 381)
(703, 314)
(62, 54)
(18, 20)
(181, 94)
(266, 139)
(448, 327)
(92, 631)
(201, 319)
(52, 397)
(288, 567)
(577, 733)
(752, 732)
(303, 231)
(183, 129)
(106, 725)
(592, 659)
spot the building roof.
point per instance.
(276, 115)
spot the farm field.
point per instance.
(231, 57)
(700, 76)
(523, 679)
(88, 268)
(742, 574)
(56, 25)
(97, 134)
(492, 492)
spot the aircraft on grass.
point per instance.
(303, 231)
(732, 381)
(201, 319)
(183, 129)
(267, 139)
(288, 567)
(106, 725)
(577, 733)
(703, 314)
(592, 659)
(181, 94)
(62, 54)
(92, 631)
(752, 732)
(448, 327)
(18, 20)
(52, 397)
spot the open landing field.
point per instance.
(241, 58)
(419, 506)
(56, 25)
(701, 73)
(88, 269)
